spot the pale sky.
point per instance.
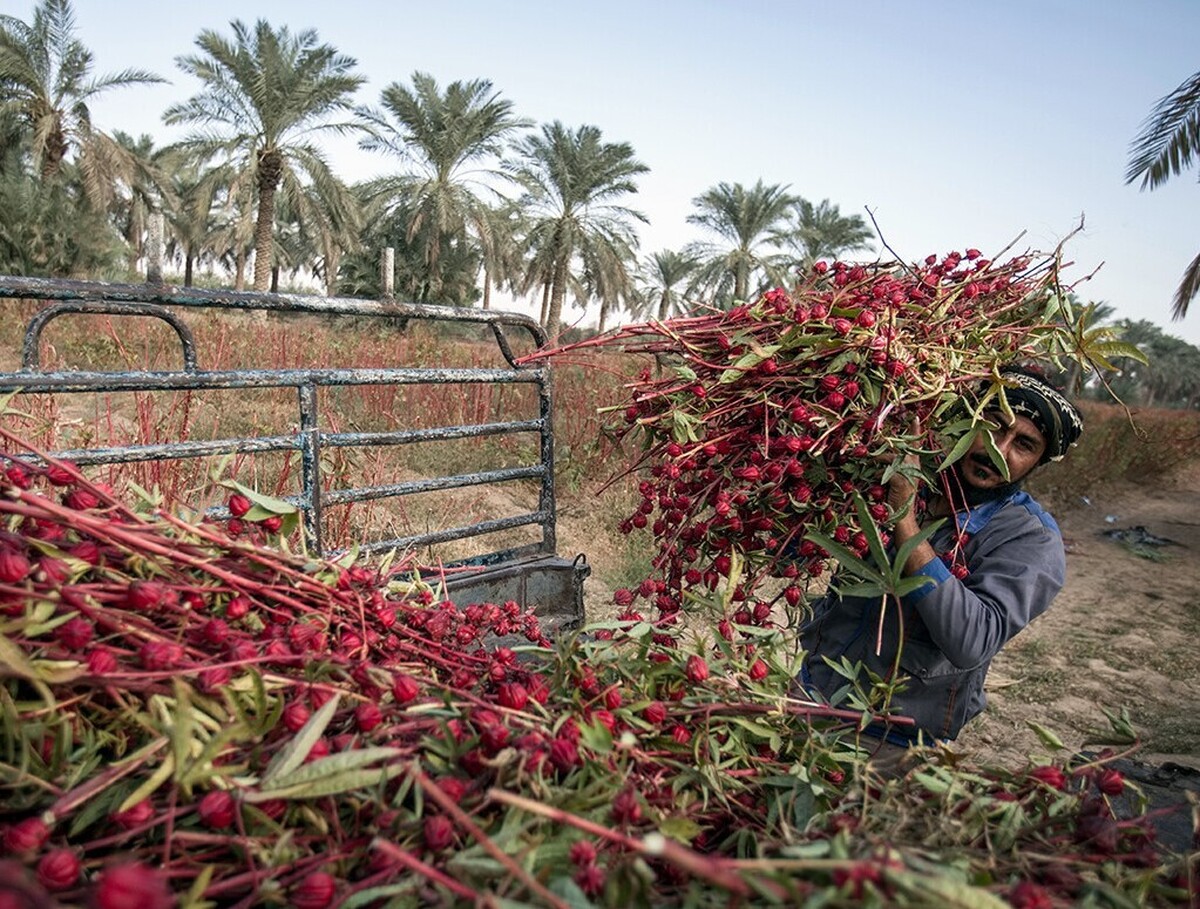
(957, 123)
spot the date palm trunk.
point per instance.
(270, 169)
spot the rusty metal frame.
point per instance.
(167, 303)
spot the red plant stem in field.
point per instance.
(461, 819)
(413, 863)
(73, 798)
(714, 870)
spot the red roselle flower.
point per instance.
(237, 607)
(59, 870)
(696, 670)
(655, 712)
(134, 816)
(438, 832)
(146, 596)
(1110, 782)
(18, 476)
(101, 661)
(758, 670)
(582, 853)
(512, 695)
(132, 886)
(1050, 775)
(217, 809)
(28, 835)
(14, 566)
(239, 505)
(590, 880)
(272, 524)
(1028, 895)
(62, 474)
(367, 716)
(81, 499)
(405, 689)
(75, 634)
(626, 809)
(314, 891)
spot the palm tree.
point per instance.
(265, 94)
(573, 183)
(143, 187)
(46, 83)
(666, 282)
(191, 219)
(453, 140)
(746, 220)
(1164, 148)
(821, 231)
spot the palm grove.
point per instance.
(480, 198)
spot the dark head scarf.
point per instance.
(1030, 395)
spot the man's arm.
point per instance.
(1017, 567)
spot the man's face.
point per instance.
(1019, 442)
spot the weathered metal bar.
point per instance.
(441, 434)
(412, 487)
(458, 533)
(30, 346)
(546, 497)
(165, 451)
(387, 272)
(310, 465)
(257, 378)
(57, 289)
(154, 248)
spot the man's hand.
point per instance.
(902, 495)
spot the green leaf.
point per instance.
(680, 829)
(292, 754)
(372, 895)
(596, 736)
(264, 506)
(193, 899)
(329, 783)
(960, 448)
(686, 373)
(989, 446)
(160, 775)
(870, 529)
(570, 893)
(847, 559)
(1047, 736)
(943, 891)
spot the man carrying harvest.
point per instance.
(993, 566)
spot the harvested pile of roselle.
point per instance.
(766, 431)
(193, 720)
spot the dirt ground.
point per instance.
(1121, 635)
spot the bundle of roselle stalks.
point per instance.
(765, 431)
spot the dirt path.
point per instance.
(1122, 634)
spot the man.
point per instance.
(993, 566)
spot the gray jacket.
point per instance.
(952, 628)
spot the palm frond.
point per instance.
(1169, 137)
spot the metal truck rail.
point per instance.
(531, 573)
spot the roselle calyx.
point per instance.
(132, 886)
(314, 891)
(59, 869)
(28, 835)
